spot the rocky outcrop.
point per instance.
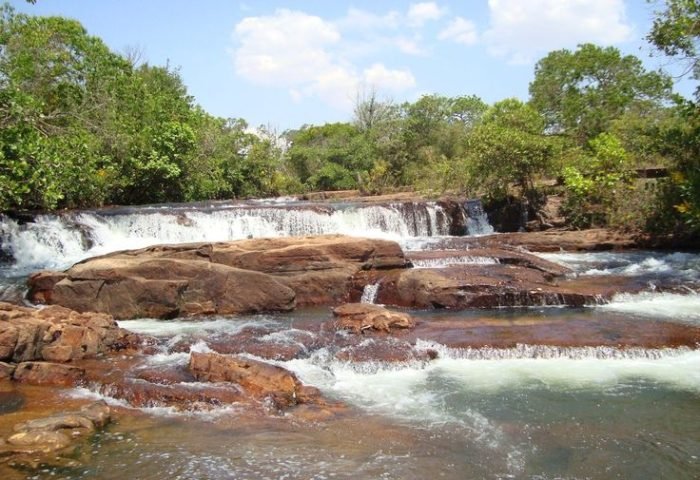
(476, 286)
(363, 317)
(57, 334)
(52, 441)
(225, 278)
(258, 380)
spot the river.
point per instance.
(568, 402)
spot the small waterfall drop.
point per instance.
(477, 220)
(369, 293)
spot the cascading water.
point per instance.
(477, 220)
(56, 241)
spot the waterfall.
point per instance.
(477, 221)
(58, 240)
(369, 293)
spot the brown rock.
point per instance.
(182, 396)
(46, 373)
(235, 277)
(41, 440)
(57, 334)
(363, 317)
(477, 286)
(257, 379)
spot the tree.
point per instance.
(580, 93)
(676, 32)
(509, 148)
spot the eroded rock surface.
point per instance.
(363, 317)
(225, 278)
(57, 334)
(258, 380)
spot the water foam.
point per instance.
(57, 241)
(685, 307)
(681, 265)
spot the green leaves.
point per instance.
(580, 93)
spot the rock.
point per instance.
(56, 422)
(485, 256)
(363, 317)
(182, 396)
(476, 286)
(374, 350)
(224, 278)
(6, 371)
(52, 441)
(259, 380)
(42, 440)
(47, 373)
(596, 239)
(57, 334)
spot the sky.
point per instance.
(283, 64)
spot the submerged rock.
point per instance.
(363, 317)
(53, 441)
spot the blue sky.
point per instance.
(287, 63)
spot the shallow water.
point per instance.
(605, 391)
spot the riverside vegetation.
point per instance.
(83, 126)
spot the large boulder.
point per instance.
(225, 278)
(57, 334)
(49, 373)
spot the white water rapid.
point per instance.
(57, 241)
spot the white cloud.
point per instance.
(362, 20)
(420, 13)
(384, 79)
(461, 31)
(304, 54)
(410, 46)
(522, 31)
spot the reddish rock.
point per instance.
(182, 396)
(47, 373)
(363, 317)
(383, 351)
(258, 380)
(234, 277)
(489, 255)
(476, 286)
(57, 334)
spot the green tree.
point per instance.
(676, 33)
(580, 93)
(509, 148)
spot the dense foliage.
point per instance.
(81, 126)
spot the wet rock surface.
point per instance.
(259, 380)
(53, 441)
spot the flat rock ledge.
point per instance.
(54, 441)
(274, 274)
